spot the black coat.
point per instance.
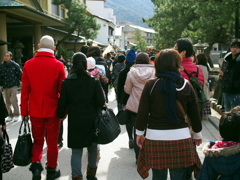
(231, 76)
(3, 110)
(122, 97)
(81, 98)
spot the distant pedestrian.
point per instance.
(162, 133)
(138, 75)
(10, 76)
(122, 96)
(108, 60)
(96, 53)
(201, 61)
(116, 70)
(41, 84)
(231, 77)
(82, 96)
(84, 49)
(69, 66)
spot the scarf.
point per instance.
(168, 87)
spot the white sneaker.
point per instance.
(8, 119)
(16, 118)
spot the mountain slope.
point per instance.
(131, 10)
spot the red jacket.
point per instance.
(190, 67)
(41, 83)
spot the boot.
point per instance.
(52, 173)
(91, 172)
(77, 177)
(36, 169)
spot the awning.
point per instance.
(21, 11)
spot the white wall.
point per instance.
(97, 8)
(102, 36)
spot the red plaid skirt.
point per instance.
(167, 155)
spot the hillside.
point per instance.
(131, 10)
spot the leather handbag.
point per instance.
(107, 127)
(23, 149)
(7, 156)
(123, 116)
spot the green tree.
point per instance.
(211, 21)
(141, 43)
(79, 20)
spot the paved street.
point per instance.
(117, 160)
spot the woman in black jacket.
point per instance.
(3, 115)
(82, 96)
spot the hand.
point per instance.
(62, 119)
(197, 141)
(25, 118)
(140, 140)
(221, 73)
(4, 127)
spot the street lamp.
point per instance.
(199, 47)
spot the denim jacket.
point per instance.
(221, 163)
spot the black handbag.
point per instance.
(123, 116)
(107, 127)
(23, 149)
(7, 156)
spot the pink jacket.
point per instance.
(190, 67)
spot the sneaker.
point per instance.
(15, 118)
(8, 119)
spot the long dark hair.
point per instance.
(79, 67)
(202, 60)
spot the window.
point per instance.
(84, 1)
(62, 13)
(55, 9)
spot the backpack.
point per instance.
(197, 86)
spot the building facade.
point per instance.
(24, 22)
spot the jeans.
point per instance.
(76, 159)
(231, 101)
(175, 174)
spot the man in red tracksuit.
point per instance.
(41, 81)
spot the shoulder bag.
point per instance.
(107, 127)
(23, 149)
(7, 156)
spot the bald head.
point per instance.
(46, 42)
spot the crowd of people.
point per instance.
(164, 119)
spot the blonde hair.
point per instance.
(46, 42)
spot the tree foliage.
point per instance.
(141, 43)
(79, 20)
(211, 21)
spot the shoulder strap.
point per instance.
(184, 114)
(197, 72)
(154, 85)
(186, 73)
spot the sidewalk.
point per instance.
(214, 118)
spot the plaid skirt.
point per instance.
(207, 110)
(167, 155)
